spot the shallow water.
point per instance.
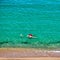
(40, 19)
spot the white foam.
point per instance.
(54, 51)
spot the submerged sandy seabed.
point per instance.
(38, 58)
(27, 52)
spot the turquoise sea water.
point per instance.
(40, 18)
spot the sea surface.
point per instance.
(38, 17)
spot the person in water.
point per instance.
(31, 36)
